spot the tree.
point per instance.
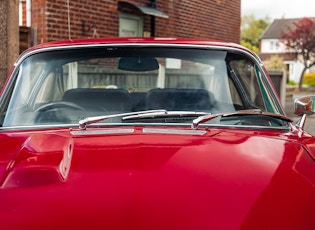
(299, 38)
(251, 30)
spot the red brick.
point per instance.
(209, 19)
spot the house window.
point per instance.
(130, 25)
(272, 45)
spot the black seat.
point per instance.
(105, 99)
(180, 99)
(138, 101)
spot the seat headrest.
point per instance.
(180, 99)
(109, 99)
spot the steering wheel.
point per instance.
(59, 104)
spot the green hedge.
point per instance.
(309, 79)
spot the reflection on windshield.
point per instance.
(65, 86)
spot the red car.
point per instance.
(151, 134)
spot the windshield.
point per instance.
(68, 85)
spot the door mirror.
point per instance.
(304, 105)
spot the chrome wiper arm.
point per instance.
(90, 120)
(164, 114)
(203, 119)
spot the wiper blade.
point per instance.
(164, 114)
(203, 119)
(90, 120)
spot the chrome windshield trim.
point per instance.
(140, 44)
(38, 127)
(72, 127)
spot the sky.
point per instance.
(276, 9)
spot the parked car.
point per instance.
(151, 133)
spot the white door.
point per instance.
(130, 26)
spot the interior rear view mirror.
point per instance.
(138, 64)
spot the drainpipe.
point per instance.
(20, 13)
(28, 13)
(153, 5)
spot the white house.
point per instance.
(270, 44)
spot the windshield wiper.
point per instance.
(202, 116)
(90, 120)
(165, 114)
(205, 118)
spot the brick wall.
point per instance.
(39, 20)
(9, 37)
(210, 19)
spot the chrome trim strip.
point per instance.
(174, 131)
(98, 132)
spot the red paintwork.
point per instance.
(95, 41)
(226, 179)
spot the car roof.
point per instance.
(135, 40)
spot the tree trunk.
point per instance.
(301, 78)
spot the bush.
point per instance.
(275, 62)
(291, 82)
(309, 79)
